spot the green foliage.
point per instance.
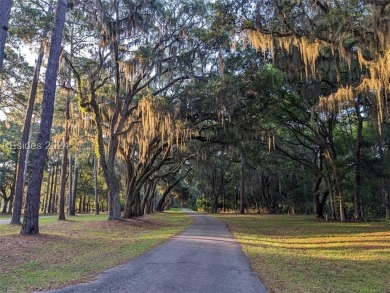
(203, 204)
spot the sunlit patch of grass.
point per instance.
(72, 251)
(299, 254)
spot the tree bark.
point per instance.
(5, 205)
(49, 178)
(64, 163)
(387, 204)
(214, 208)
(386, 196)
(31, 212)
(337, 185)
(5, 11)
(26, 138)
(318, 206)
(49, 205)
(11, 202)
(358, 164)
(147, 192)
(114, 208)
(54, 201)
(95, 185)
(72, 210)
(242, 183)
(12, 193)
(70, 186)
(80, 204)
(160, 205)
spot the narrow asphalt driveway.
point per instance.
(205, 258)
(7, 221)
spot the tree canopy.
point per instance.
(248, 106)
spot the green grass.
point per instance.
(5, 216)
(73, 251)
(299, 254)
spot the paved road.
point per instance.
(7, 221)
(203, 259)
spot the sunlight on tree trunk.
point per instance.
(64, 164)
(31, 213)
(23, 158)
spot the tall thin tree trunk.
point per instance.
(70, 187)
(332, 200)
(31, 211)
(84, 204)
(358, 215)
(5, 11)
(147, 188)
(26, 162)
(49, 178)
(223, 202)
(11, 202)
(242, 183)
(80, 204)
(49, 205)
(337, 186)
(5, 205)
(386, 196)
(54, 201)
(318, 207)
(26, 139)
(64, 163)
(72, 210)
(95, 185)
(387, 204)
(114, 208)
(12, 194)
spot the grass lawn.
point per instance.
(5, 216)
(73, 251)
(298, 254)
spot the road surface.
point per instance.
(205, 258)
(7, 221)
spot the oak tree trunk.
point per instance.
(318, 207)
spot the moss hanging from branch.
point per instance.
(377, 80)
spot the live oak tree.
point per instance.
(339, 43)
(286, 99)
(163, 56)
